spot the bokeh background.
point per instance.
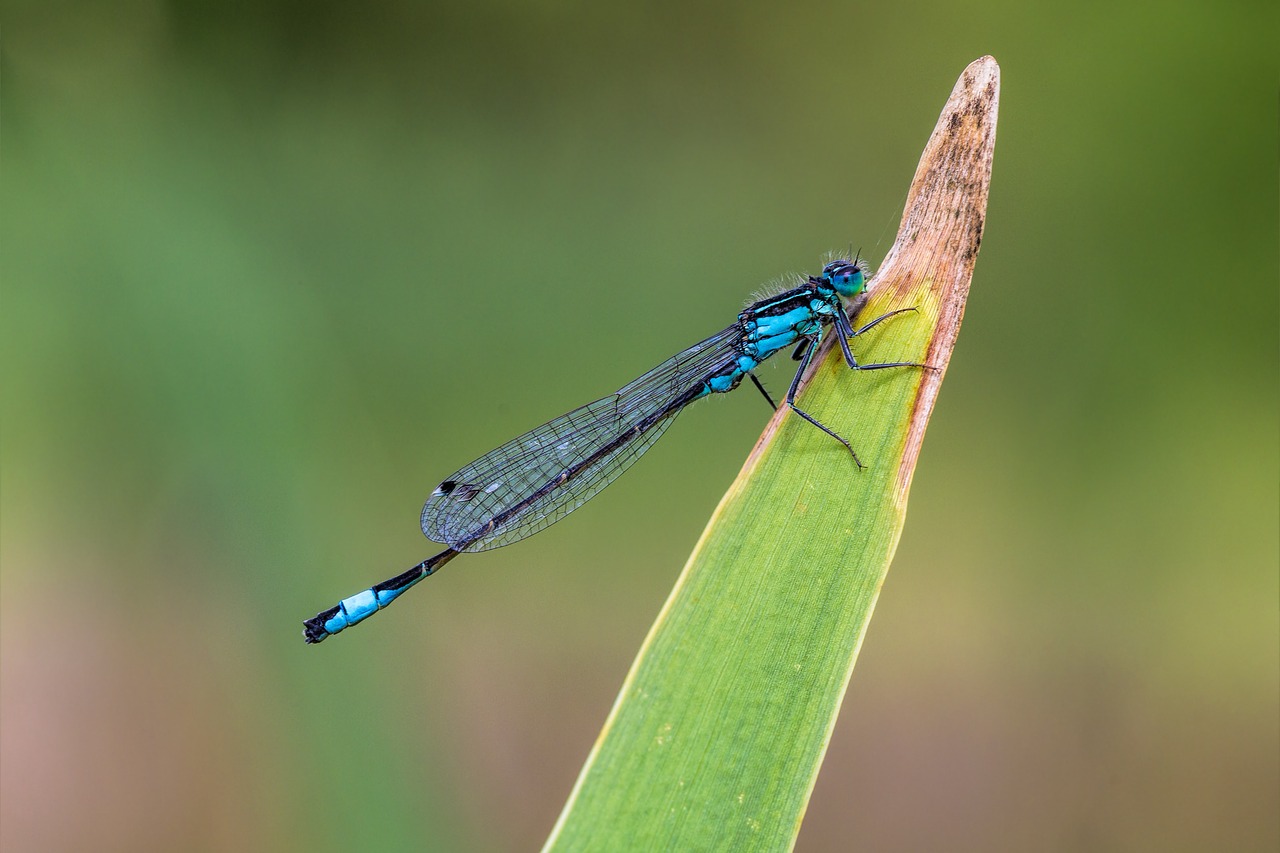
(272, 270)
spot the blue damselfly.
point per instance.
(533, 481)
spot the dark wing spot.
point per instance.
(464, 492)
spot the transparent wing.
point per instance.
(533, 481)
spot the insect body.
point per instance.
(535, 480)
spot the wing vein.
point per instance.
(538, 478)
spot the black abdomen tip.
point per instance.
(313, 630)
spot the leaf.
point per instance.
(717, 736)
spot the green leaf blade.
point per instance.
(735, 690)
(720, 728)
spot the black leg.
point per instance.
(844, 332)
(762, 391)
(804, 354)
(877, 321)
(842, 323)
(791, 401)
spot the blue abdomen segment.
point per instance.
(361, 606)
(349, 611)
(729, 379)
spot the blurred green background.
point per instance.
(272, 270)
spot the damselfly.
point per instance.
(533, 481)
